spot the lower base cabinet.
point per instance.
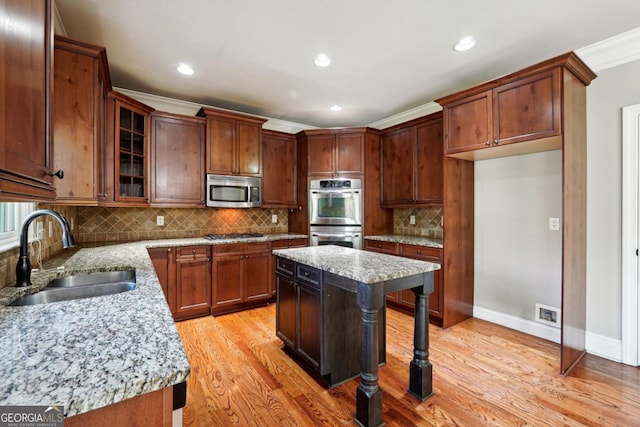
(320, 324)
(185, 276)
(283, 244)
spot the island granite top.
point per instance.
(408, 240)
(89, 353)
(361, 266)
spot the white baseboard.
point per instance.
(599, 345)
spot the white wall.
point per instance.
(516, 195)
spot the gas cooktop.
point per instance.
(229, 236)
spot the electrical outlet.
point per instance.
(554, 224)
(159, 220)
(274, 219)
(412, 219)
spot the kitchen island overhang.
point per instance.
(370, 276)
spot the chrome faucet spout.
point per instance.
(23, 267)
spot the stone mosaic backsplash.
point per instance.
(428, 222)
(99, 224)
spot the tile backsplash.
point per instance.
(428, 222)
(99, 224)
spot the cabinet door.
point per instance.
(227, 280)
(193, 286)
(397, 167)
(256, 277)
(348, 154)
(177, 160)
(248, 148)
(468, 123)
(220, 146)
(132, 151)
(528, 108)
(278, 171)
(286, 304)
(162, 259)
(321, 158)
(309, 315)
(25, 67)
(429, 163)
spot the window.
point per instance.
(11, 216)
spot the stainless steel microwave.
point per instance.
(233, 191)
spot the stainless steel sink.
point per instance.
(81, 286)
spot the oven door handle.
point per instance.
(335, 234)
(341, 192)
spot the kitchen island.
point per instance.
(370, 276)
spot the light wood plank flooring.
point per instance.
(483, 374)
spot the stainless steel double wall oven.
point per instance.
(335, 212)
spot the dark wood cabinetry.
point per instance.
(283, 244)
(405, 300)
(185, 276)
(234, 143)
(240, 276)
(25, 100)
(279, 160)
(335, 154)
(412, 154)
(125, 157)
(177, 160)
(82, 82)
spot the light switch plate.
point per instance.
(554, 224)
(159, 220)
(274, 219)
(412, 219)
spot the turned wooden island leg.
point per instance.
(420, 369)
(368, 395)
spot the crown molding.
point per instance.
(405, 116)
(611, 52)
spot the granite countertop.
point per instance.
(408, 240)
(362, 266)
(89, 353)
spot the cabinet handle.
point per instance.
(495, 142)
(102, 194)
(168, 249)
(419, 251)
(59, 173)
(487, 143)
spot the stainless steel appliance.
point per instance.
(341, 235)
(335, 212)
(233, 191)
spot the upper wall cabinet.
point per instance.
(125, 157)
(519, 109)
(177, 160)
(81, 79)
(279, 170)
(335, 153)
(412, 154)
(26, 68)
(234, 143)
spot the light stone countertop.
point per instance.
(358, 265)
(93, 352)
(408, 240)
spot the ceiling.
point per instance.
(257, 56)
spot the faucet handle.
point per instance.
(59, 173)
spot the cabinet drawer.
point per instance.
(415, 250)
(233, 248)
(285, 266)
(289, 243)
(380, 246)
(257, 247)
(309, 275)
(191, 252)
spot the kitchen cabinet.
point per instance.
(125, 157)
(234, 142)
(185, 276)
(283, 244)
(335, 154)
(25, 103)
(405, 299)
(240, 276)
(279, 170)
(504, 112)
(412, 153)
(82, 82)
(177, 160)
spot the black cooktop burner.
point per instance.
(229, 236)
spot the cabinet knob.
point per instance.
(59, 173)
(495, 142)
(486, 143)
(102, 194)
(419, 251)
(168, 249)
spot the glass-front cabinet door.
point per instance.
(133, 151)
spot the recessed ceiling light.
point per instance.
(322, 60)
(185, 69)
(465, 43)
(336, 107)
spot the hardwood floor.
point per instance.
(483, 374)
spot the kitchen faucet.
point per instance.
(23, 268)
